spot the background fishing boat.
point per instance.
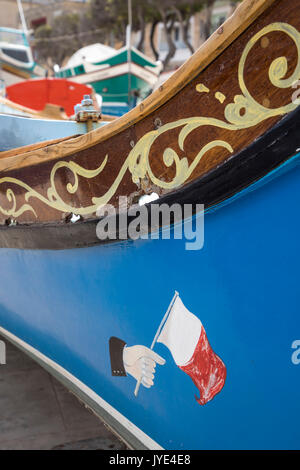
(21, 126)
(223, 131)
(38, 93)
(110, 71)
(16, 60)
(20, 131)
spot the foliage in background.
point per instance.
(50, 48)
(105, 22)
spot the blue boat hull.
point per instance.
(243, 285)
(115, 109)
(18, 131)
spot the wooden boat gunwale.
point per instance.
(245, 14)
(37, 202)
(215, 188)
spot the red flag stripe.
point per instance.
(206, 369)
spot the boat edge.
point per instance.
(244, 15)
(127, 431)
(238, 172)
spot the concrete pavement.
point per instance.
(37, 412)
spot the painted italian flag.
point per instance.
(185, 337)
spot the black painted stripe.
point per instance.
(238, 172)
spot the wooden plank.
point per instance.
(247, 12)
(238, 98)
(29, 148)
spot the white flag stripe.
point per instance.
(181, 333)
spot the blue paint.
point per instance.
(243, 285)
(17, 131)
(115, 109)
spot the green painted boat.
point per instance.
(112, 73)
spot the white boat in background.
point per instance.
(121, 76)
(16, 59)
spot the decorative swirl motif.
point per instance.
(137, 162)
(53, 200)
(138, 159)
(254, 112)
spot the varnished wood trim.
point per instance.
(244, 16)
(29, 148)
(15, 71)
(239, 172)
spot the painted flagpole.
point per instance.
(137, 387)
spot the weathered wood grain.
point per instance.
(246, 13)
(142, 152)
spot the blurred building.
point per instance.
(45, 11)
(38, 12)
(221, 11)
(42, 12)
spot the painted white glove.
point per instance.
(140, 362)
